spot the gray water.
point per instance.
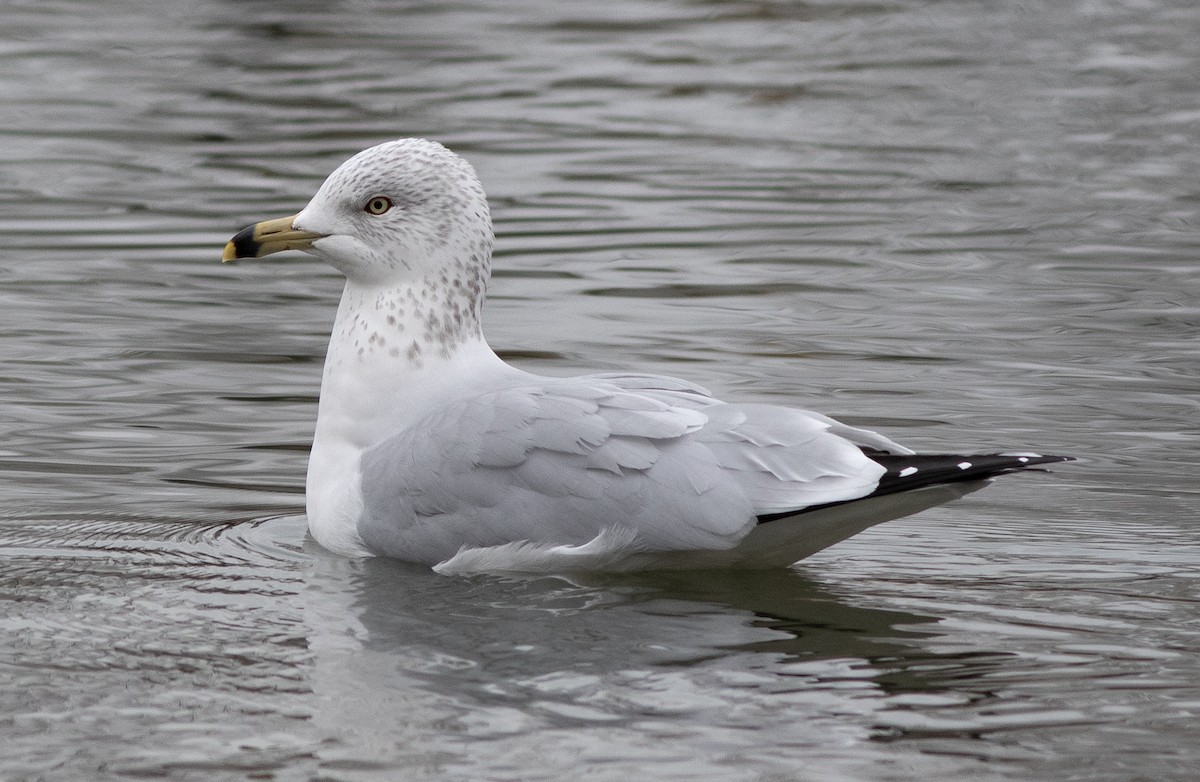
(971, 225)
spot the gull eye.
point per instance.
(378, 205)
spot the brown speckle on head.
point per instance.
(423, 264)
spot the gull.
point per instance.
(430, 448)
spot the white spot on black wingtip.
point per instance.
(1023, 459)
(964, 465)
(907, 471)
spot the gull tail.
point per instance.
(912, 483)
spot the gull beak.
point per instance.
(271, 236)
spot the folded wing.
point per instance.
(562, 460)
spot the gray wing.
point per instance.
(560, 461)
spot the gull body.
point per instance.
(429, 448)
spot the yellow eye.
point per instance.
(378, 205)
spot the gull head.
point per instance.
(399, 213)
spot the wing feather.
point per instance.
(560, 461)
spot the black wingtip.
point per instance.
(917, 471)
(905, 473)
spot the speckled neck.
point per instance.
(395, 350)
(408, 324)
(395, 354)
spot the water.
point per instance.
(968, 224)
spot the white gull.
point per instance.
(429, 448)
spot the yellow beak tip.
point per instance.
(271, 236)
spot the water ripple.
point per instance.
(977, 233)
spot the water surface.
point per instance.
(967, 224)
